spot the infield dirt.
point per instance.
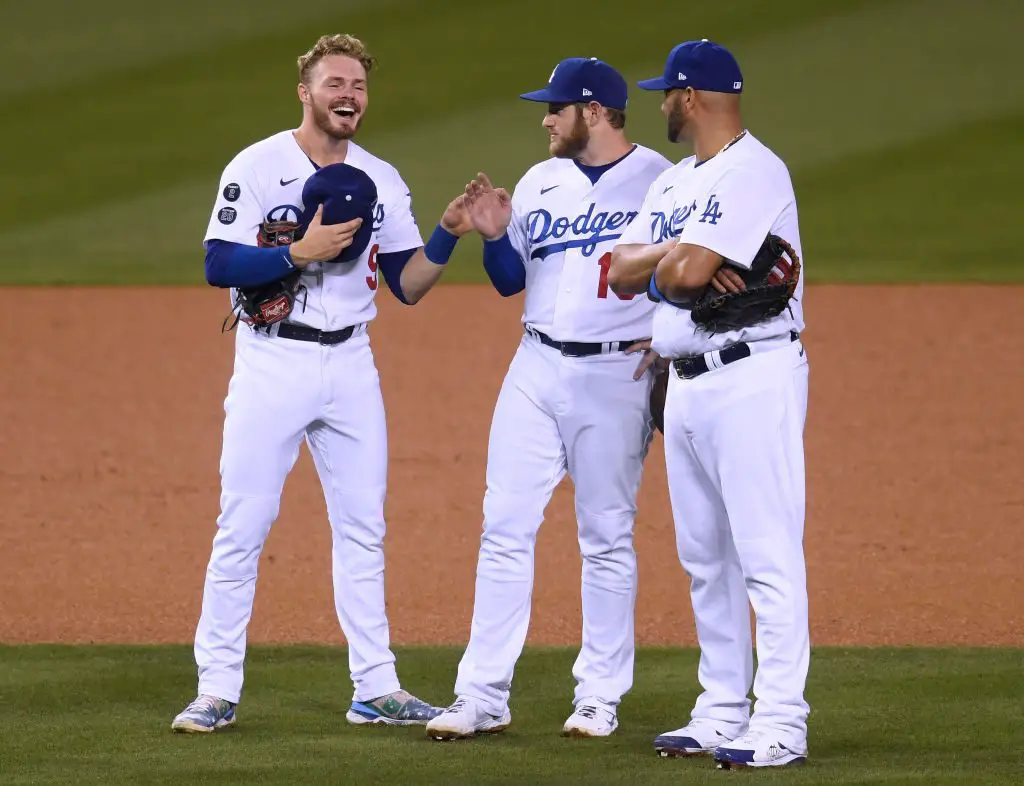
(111, 403)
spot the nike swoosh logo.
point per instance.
(545, 190)
(286, 182)
(667, 189)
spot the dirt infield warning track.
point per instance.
(112, 410)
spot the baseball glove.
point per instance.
(264, 305)
(770, 283)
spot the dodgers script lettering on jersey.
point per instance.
(565, 227)
(728, 204)
(264, 183)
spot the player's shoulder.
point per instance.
(271, 148)
(673, 173)
(550, 169)
(377, 168)
(647, 158)
(757, 158)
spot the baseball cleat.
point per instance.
(697, 738)
(466, 718)
(592, 718)
(759, 749)
(204, 715)
(400, 708)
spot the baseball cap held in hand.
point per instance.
(702, 65)
(581, 80)
(346, 193)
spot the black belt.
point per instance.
(580, 349)
(304, 333)
(695, 365)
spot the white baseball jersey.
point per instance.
(727, 204)
(264, 183)
(565, 227)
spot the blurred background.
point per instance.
(902, 121)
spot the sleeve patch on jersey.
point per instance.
(232, 191)
(227, 215)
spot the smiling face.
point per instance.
(335, 93)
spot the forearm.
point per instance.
(411, 274)
(504, 266)
(237, 265)
(633, 264)
(684, 272)
(418, 276)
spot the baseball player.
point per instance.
(569, 403)
(734, 414)
(310, 376)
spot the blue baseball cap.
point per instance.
(702, 65)
(581, 80)
(346, 192)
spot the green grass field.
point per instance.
(901, 120)
(100, 714)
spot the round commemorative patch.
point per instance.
(227, 215)
(232, 191)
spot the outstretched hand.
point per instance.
(490, 208)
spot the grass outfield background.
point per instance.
(881, 716)
(901, 121)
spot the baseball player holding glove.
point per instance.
(302, 223)
(717, 246)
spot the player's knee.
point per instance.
(239, 542)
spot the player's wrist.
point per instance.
(495, 238)
(440, 246)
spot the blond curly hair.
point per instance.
(337, 44)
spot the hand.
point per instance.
(490, 209)
(456, 216)
(727, 280)
(322, 242)
(649, 360)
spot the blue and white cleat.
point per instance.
(760, 749)
(204, 715)
(400, 708)
(697, 738)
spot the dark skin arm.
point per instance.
(633, 264)
(685, 271)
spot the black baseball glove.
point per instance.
(262, 306)
(770, 283)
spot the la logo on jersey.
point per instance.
(590, 229)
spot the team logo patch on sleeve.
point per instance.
(227, 215)
(232, 191)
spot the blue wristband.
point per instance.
(653, 293)
(440, 246)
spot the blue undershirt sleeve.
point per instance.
(504, 266)
(238, 265)
(391, 266)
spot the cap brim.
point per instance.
(657, 83)
(545, 96)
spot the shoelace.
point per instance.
(204, 703)
(587, 711)
(457, 706)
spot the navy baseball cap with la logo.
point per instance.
(702, 65)
(582, 80)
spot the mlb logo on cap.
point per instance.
(702, 65)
